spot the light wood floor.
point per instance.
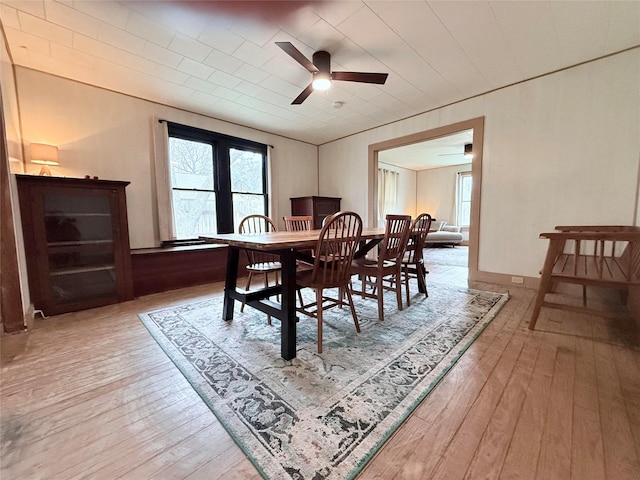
(91, 395)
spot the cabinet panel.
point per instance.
(77, 242)
(317, 207)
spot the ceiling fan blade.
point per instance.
(303, 96)
(362, 77)
(297, 55)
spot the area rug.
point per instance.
(447, 256)
(321, 416)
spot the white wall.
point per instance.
(436, 192)
(560, 149)
(109, 135)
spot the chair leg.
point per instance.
(266, 284)
(406, 284)
(380, 298)
(299, 290)
(353, 311)
(398, 287)
(545, 281)
(319, 315)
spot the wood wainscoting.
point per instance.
(168, 268)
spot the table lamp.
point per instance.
(44, 155)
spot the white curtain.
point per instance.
(163, 179)
(387, 193)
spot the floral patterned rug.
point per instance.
(321, 416)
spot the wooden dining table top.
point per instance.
(281, 239)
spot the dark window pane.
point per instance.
(191, 164)
(244, 205)
(194, 214)
(246, 171)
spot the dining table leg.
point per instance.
(231, 280)
(288, 304)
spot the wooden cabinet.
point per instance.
(317, 207)
(76, 241)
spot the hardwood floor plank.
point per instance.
(181, 457)
(587, 448)
(91, 395)
(457, 458)
(555, 451)
(621, 458)
(491, 452)
(628, 368)
(523, 452)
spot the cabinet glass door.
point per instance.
(80, 247)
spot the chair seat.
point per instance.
(304, 278)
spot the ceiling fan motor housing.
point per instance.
(322, 60)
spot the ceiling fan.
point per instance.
(320, 67)
(468, 151)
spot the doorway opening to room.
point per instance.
(442, 176)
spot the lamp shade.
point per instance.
(43, 154)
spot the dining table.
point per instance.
(292, 247)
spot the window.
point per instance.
(463, 198)
(215, 181)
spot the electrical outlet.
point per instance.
(517, 280)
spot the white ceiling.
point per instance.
(439, 152)
(219, 58)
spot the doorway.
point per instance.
(477, 126)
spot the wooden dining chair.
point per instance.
(338, 242)
(413, 261)
(298, 223)
(259, 262)
(384, 273)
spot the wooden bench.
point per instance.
(600, 256)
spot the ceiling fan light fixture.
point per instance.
(321, 81)
(468, 150)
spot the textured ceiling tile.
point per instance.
(200, 85)
(161, 55)
(47, 30)
(321, 36)
(9, 16)
(251, 73)
(222, 61)
(250, 89)
(195, 68)
(480, 37)
(252, 54)
(113, 13)
(221, 39)
(253, 30)
(72, 19)
(70, 55)
(147, 28)
(224, 79)
(535, 42)
(120, 39)
(28, 6)
(189, 47)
